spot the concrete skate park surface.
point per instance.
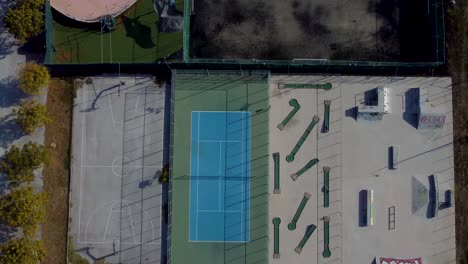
(357, 152)
(115, 201)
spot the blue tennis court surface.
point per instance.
(220, 177)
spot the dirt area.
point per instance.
(57, 172)
(457, 21)
(380, 30)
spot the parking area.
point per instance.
(401, 164)
(115, 201)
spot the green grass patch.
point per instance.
(74, 258)
(135, 40)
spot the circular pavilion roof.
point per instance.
(91, 10)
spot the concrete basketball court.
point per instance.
(117, 144)
(357, 152)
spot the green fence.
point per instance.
(50, 37)
(437, 25)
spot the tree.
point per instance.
(31, 115)
(18, 164)
(22, 251)
(32, 77)
(23, 208)
(25, 19)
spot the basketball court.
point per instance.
(115, 201)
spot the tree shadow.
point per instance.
(7, 43)
(34, 49)
(6, 233)
(139, 32)
(10, 132)
(4, 187)
(10, 95)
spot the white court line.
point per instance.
(220, 141)
(219, 179)
(110, 242)
(217, 241)
(131, 222)
(112, 113)
(190, 187)
(161, 120)
(218, 211)
(117, 166)
(83, 125)
(136, 104)
(218, 111)
(108, 220)
(247, 176)
(242, 184)
(102, 205)
(198, 174)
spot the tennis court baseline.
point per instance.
(220, 177)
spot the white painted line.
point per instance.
(83, 126)
(191, 173)
(117, 166)
(219, 178)
(136, 104)
(220, 141)
(131, 222)
(112, 113)
(198, 174)
(218, 111)
(102, 205)
(242, 177)
(162, 141)
(110, 242)
(214, 241)
(218, 211)
(108, 220)
(247, 176)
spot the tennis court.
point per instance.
(219, 176)
(231, 175)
